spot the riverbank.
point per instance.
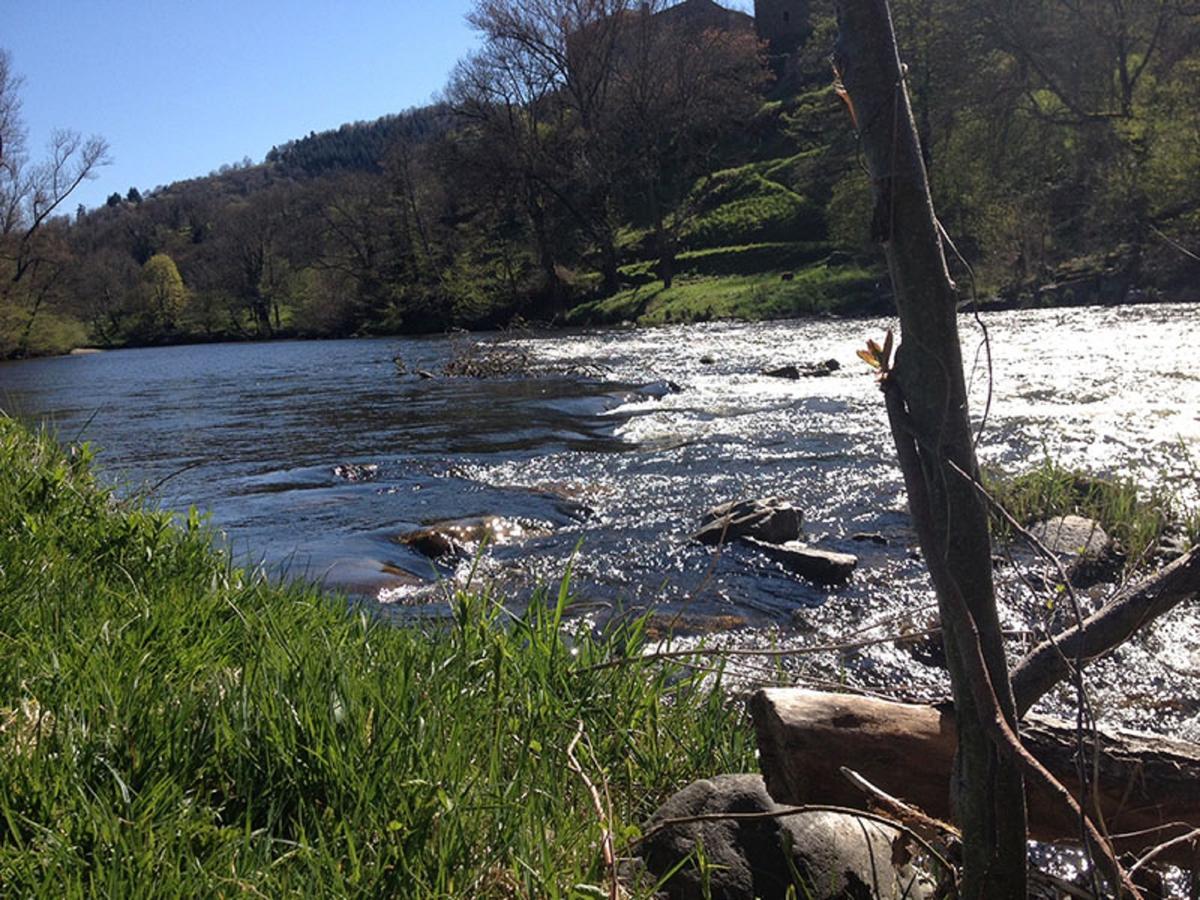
(172, 725)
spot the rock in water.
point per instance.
(461, 537)
(822, 855)
(821, 566)
(356, 472)
(1071, 536)
(791, 372)
(773, 520)
(1086, 551)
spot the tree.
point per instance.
(563, 51)
(680, 90)
(30, 194)
(134, 195)
(927, 407)
(163, 291)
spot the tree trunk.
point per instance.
(609, 267)
(927, 407)
(804, 738)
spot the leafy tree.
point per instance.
(163, 291)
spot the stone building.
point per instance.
(783, 24)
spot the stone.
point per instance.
(772, 519)
(656, 390)
(822, 566)
(1086, 551)
(807, 370)
(821, 855)
(356, 472)
(460, 537)
(792, 372)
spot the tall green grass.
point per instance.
(1136, 518)
(173, 726)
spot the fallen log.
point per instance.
(1148, 788)
(1049, 663)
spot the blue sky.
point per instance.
(179, 88)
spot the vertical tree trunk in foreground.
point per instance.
(927, 407)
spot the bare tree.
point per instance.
(681, 90)
(563, 50)
(30, 194)
(926, 400)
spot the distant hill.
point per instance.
(358, 146)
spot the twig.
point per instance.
(769, 654)
(1193, 836)
(606, 842)
(1182, 249)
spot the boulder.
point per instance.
(1083, 547)
(1071, 536)
(820, 855)
(773, 520)
(822, 566)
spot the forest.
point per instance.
(605, 160)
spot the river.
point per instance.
(606, 469)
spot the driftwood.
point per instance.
(1048, 663)
(1149, 787)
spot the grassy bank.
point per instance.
(171, 726)
(763, 281)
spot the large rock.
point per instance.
(1070, 537)
(822, 566)
(821, 855)
(772, 520)
(1084, 548)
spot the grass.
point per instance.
(741, 207)
(761, 295)
(1138, 521)
(173, 726)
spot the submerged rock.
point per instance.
(656, 390)
(460, 537)
(792, 372)
(356, 472)
(822, 566)
(821, 855)
(771, 519)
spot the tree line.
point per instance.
(591, 146)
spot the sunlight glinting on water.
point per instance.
(319, 459)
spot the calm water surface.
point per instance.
(253, 433)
